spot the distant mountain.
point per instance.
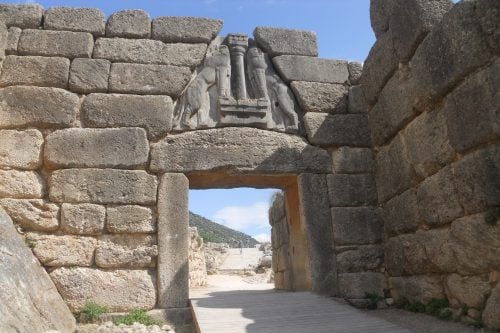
(217, 233)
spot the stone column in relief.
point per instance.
(173, 241)
(238, 44)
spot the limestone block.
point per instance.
(356, 102)
(118, 290)
(470, 290)
(75, 19)
(131, 251)
(401, 213)
(148, 51)
(82, 219)
(130, 219)
(240, 149)
(394, 173)
(4, 39)
(352, 190)
(89, 75)
(356, 225)
(54, 250)
(55, 44)
(477, 180)
(355, 69)
(21, 184)
(134, 23)
(361, 259)
(103, 186)
(420, 288)
(337, 129)
(32, 214)
(472, 112)
(20, 149)
(40, 107)
(154, 113)
(174, 29)
(441, 250)
(148, 79)
(23, 16)
(30, 301)
(437, 199)
(352, 160)
(357, 285)
(379, 16)
(12, 40)
(427, 143)
(102, 148)
(35, 71)
(378, 68)
(286, 41)
(488, 12)
(320, 97)
(301, 68)
(491, 313)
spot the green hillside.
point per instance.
(217, 233)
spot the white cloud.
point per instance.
(244, 217)
(263, 238)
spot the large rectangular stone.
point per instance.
(103, 186)
(40, 107)
(357, 225)
(35, 71)
(154, 113)
(21, 184)
(20, 149)
(24, 16)
(130, 219)
(360, 259)
(286, 41)
(175, 29)
(131, 23)
(55, 44)
(173, 241)
(352, 190)
(82, 219)
(352, 160)
(421, 288)
(32, 214)
(148, 79)
(89, 75)
(401, 213)
(357, 285)
(12, 40)
(75, 19)
(146, 51)
(301, 68)
(130, 251)
(320, 97)
(102, 148)
(337, 129)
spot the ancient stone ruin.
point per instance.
(390, 170)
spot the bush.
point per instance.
(373, 298)
(91, 311)
(136, 316)
(435, 306)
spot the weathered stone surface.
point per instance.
(394, 173)
(361, 259)
(35, 71)
(472, 112)
(118, 290)
(355, 69)
(146, 51)
(22, 16)
(286, 41)
(477, 178)
(356, 102)
(32, 214)
(239, 149)
(75, 19)
(148, 79)
(82, 219)
(55, 43)
(351, 190)
(320, 97)
(491, 313)
(378, 67)
(20, 149)
(133, 23)
(40, 107)
(401, 213)
(360, 225)
(175, 29)
(488, 12)
(4, 39)
(25, 308)
(301, 68)
(437, 199)
(131, 251)
(21, 184)
(470, 290)
(12, 40)
(89, 75)
(103, 186)
(130, 219)
(101, 148)
(416, 288)
(54, 250)
(379, 16)
(352, 160)
(154, 113)
(427, 143)
(337, 129)
(357, 285)
(173, 241)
